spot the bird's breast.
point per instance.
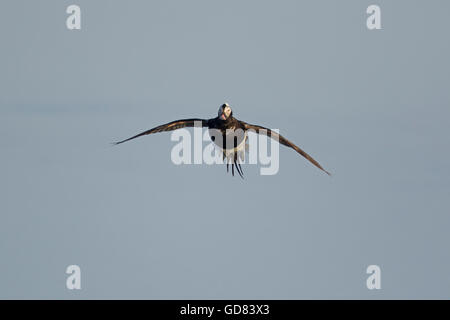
(229, 138)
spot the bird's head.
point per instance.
(225, 112)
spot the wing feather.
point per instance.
(177, 124)
(283, 141)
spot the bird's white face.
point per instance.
(224, 111)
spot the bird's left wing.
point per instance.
(177, 124)
(283, 141)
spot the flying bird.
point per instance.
(229, 134)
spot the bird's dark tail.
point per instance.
(234, 164)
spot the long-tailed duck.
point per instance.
(226, 126)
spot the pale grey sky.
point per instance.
(371, 106)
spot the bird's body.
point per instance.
(229, 134)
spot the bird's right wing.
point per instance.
(283, 141)
(177, 124)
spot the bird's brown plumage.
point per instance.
(283, 141)
(224, 125)
(177, 124)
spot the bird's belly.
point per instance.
(228, 139)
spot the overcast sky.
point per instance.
(371, 106)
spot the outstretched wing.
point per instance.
(283, 141)
(169, 127)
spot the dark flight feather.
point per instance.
(177, 124)
(283, 141)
